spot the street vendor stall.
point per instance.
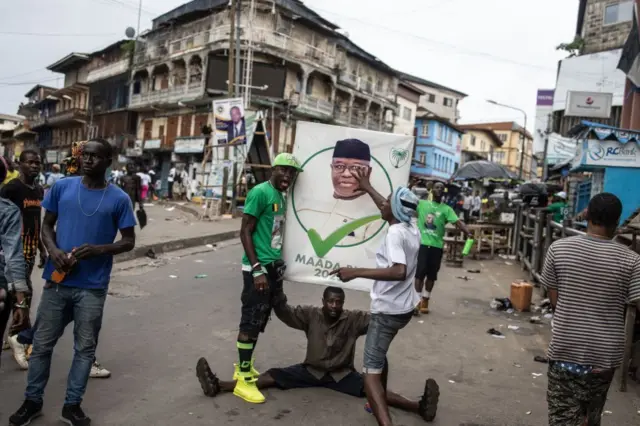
(612, 156)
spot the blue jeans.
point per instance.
(58, 307)
(382, 329)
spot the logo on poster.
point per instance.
(615, 153)
(589, 100)
(399, 157)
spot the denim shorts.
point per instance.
(382, 329)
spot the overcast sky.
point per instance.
(493, 49)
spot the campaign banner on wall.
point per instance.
(229, 121)
(330, 223)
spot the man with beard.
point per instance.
(433, 216)
(131, 184)
(261, 234)
(323, 327)
(27, 195)
(83, 216)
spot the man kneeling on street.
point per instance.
(330, 330)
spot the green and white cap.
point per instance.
(287, 160)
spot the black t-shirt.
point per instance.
(28, 201)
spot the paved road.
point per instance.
(156, 327)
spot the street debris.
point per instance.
(528, 413)
(420, 322)
(515, 364)
(541, 359)
(474, 271)
(508, 263)
(148, 204)
(151, 254)
(173, 276)
(211, 246)
(199, 261)
(501, 304)
(451, 381)
(466, 278)
(535, 320)
(536, 374)
(495, 333)
(170, 209)
(513, 327)
(548, 316)
(608, 413)
(201, 276)
(507, 256)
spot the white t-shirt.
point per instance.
(172, 174)
(468, 201)
(145, 178)
(401, 245)
(477, 203)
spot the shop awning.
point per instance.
(590, 130)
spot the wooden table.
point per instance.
(479, 229)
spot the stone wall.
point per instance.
(599, 37)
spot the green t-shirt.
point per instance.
(268, 205)
(559, 210)
(432, 218)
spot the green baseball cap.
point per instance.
(287, 160)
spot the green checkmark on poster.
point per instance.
(322, 247)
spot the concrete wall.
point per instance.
(479, 142)
(401, 125)
(599, 36)
(437, 107)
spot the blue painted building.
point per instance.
(437, 147)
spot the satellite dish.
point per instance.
(130, 32)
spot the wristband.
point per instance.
(256, 266)
(257, 273)
(21, 306)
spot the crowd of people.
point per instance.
(590, 279)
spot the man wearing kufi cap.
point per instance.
(349, 156)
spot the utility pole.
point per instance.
(237, 80)
(231, 91)
(523, 148)
(545, 166)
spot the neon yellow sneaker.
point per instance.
(247, 389)
(236, 372)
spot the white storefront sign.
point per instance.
(325, 201)
(560, 149)
(608, 154)
(152, 144)
(588, 104)
(52, 156)
(189, 146)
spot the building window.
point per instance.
(450, 137)
(498, 156)
(425, 130)
(473, 140)
(483, 146)
(406, 113)
(617, 13)
(440, 132)
(431, 98)
(448, 102)
(502, 137)
(423, 159)
(379, 86)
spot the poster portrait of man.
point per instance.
(236, 129)
(349, 156)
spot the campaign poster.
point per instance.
(229, 121)
(330, 223)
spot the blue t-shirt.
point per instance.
(77, 225)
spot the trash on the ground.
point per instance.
(508, 263)
(201, 276)
(542, 359)
(151, 254)
(182, 204)
(466, 278)
(607, 412)
(513, 327)
(420, 322)
(453, 313)
(451, 381)
(170, 209)
(494, 332)
(211, 245)
(535, 320)
(474, 271)
(528, 413)
(510, 311)
(507, 256)
(148, 204)
(548, 316)
(515, 364)
(199, 261)
(173, 276)
(501, 304)
(536, 374)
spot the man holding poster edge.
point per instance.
(261, 234)
(393, 295)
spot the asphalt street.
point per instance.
(159, 319)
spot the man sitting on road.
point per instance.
(324, 327)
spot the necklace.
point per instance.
(104, 191)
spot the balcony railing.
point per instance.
(107, 71)
(348, 78)
(38, 122)
(341, 116)
(163, 49)
(73, 114)
(166, 96)
(318, 106)
(373, 123)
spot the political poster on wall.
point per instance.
(330, 223)
(229, 121)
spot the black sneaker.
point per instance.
(27, 412)
(74, 416)
(208, 381)
(429, 402)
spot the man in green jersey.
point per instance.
(433, 215)
(261, 233)
(558, 207)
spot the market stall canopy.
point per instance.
(481, 169)
(590, 130)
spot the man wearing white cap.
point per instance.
(558, 207)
